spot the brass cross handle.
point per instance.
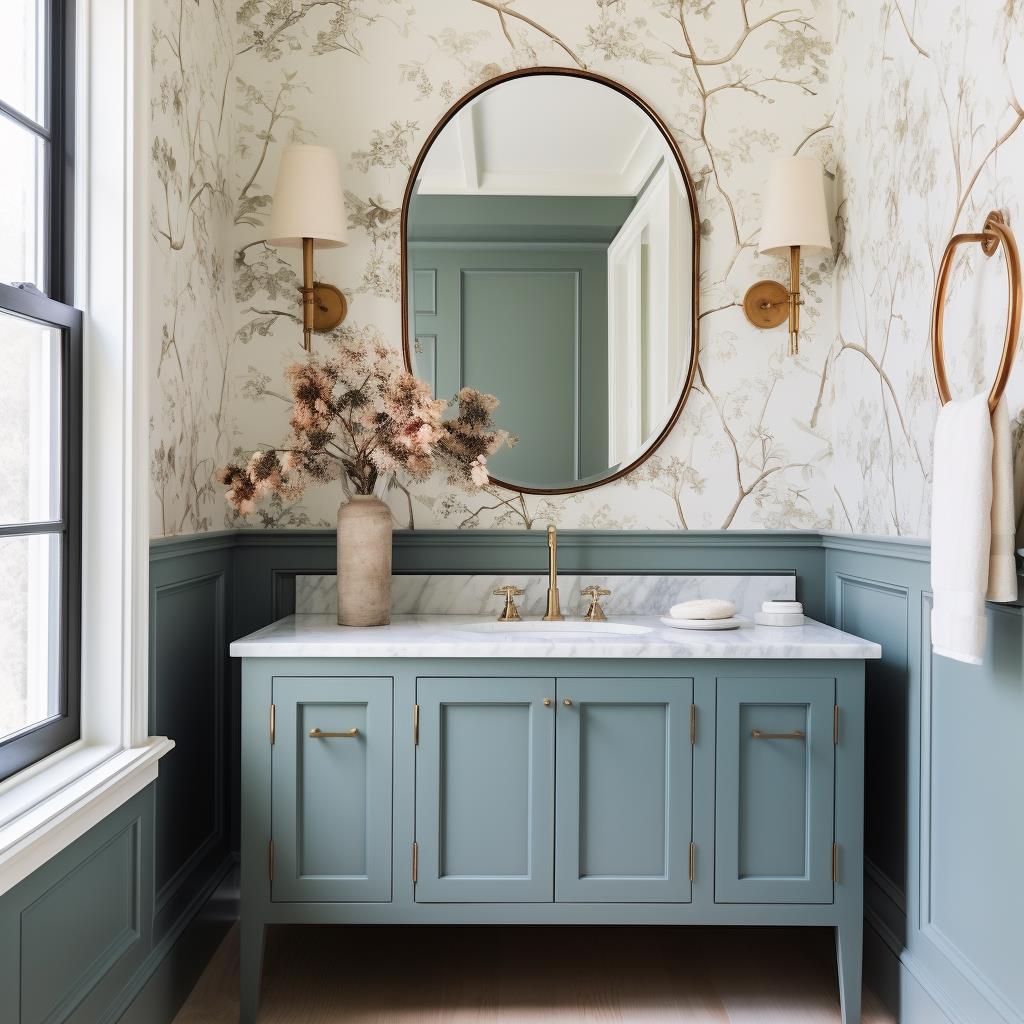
(319, 734)
(595, 613)
(510, 612)
(796, 734)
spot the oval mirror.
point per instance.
(549, 257)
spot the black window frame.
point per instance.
(52, 306)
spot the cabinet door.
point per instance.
(332, 793)
(774, 783)
(625, 784)
(484, 790)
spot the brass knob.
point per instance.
(595, 613)
(547, 702)
(510, 612)
(567, 702)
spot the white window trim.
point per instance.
(49, 805)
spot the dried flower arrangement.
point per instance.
(356, 415)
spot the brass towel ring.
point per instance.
(995, 232)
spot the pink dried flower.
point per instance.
(361, 414)
(478, 471)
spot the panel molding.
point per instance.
(576, 274)
(929, 929)
(844, 580)
(216, 579)
(119, 944)
(930, 964)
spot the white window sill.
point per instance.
(52, 808)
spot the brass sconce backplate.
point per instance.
(766, 304)
(329, 307)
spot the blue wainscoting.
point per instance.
(75, 932)
(190, 699)
(944, 794)
(139, 899)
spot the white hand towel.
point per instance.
(966, 566)
(1002, 568)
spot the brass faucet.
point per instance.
(554, 606)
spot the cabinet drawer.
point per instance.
(332, 793)
(774, 790)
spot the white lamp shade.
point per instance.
(309, 201)
(794, 211)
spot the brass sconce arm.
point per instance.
(768, 303)
(323, 305)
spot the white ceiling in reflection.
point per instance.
(547, 135)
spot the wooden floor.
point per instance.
(402, 975)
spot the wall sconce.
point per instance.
(309, 212)
(795, 217)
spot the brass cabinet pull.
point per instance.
(547, 702)
(796, 734)
(317, 734)
(567, 702)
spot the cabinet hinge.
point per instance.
(835, 862)
(693, 724)
(273, 724)
(693, 861)
(270, 859)
(416, 725)
(415, 861)
(835, 724)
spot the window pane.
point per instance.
(29, 631)
(22, 66)
(22, 192)
(30, 431)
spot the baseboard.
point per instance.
(899, 983)
(170, 972)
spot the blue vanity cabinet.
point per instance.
(774, 790)
(552, 791)
(485, 763)
(623, 790)
(331, 764)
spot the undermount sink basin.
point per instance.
(569, 630)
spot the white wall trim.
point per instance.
(53, 824)
(50, 804)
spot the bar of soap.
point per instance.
(707, 608)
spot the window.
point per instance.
(40, 389)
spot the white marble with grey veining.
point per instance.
(464, 636)
(474, 594)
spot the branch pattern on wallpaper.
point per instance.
(191, 118)
(930, 141)
(737, 80)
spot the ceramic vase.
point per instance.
(364, 562)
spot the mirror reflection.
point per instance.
(550, 261)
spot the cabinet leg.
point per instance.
(849, 959)
(251, 969)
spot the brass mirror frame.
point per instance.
(691, 195)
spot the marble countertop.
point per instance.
(470, 636)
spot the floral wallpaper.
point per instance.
(192, 96)
(929, 141)
(738, 81)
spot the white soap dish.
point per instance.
(732, 623)
(703, 609)
(779, 618)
